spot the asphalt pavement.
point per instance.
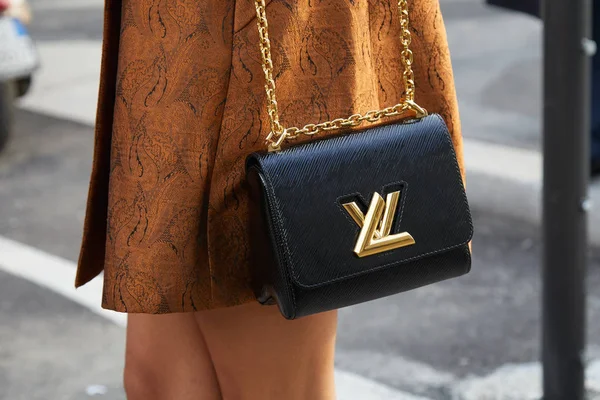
(472, 338)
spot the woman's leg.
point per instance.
(257, 354)
(167, 358)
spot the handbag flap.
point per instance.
(316, 194)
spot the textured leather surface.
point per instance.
(300, 191)
(381, 283)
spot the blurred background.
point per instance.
(472, 338)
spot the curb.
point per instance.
(518, 382)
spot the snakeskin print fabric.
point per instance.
(182, 104)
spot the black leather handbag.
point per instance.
(357, 216)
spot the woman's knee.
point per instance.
(259, 354)
(139, 378)
(166, 358)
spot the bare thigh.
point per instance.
(257, 354)
(167, 358)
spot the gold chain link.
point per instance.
(406, 54)
(279, 134)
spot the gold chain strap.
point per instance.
(279, 134)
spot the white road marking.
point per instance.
(508, 181)
(54, 273)
(66, 85)
(510, 382)
(510, 163)
(351, 386)
(66, 5)
(518, 382)
(58, 275)
(408, 374)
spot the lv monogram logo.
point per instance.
(376, 226)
